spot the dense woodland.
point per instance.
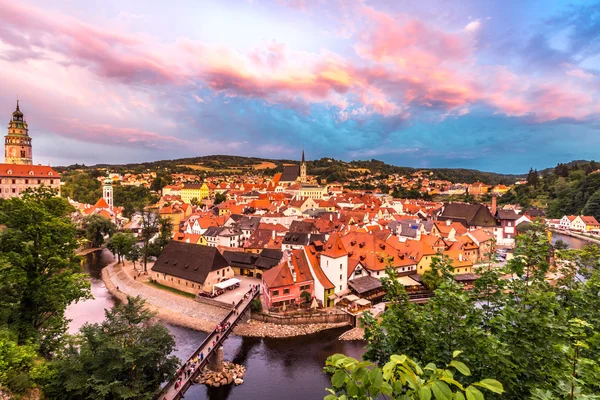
(567, 189)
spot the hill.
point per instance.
(325, 168)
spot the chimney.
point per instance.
(448, 222)
(331, 217)
(273, 234)
(493, 209)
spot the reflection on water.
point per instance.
(289, 369)
(573, 242)
(92, 310)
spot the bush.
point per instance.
(256, 305)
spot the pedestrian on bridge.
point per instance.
(202, 355)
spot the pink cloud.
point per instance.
(35, 33)
(108, 134)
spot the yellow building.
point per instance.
(198, 191)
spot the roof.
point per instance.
(281, 274)
(290, 173)
(507, 215)
(302, 227)
(192, 186)
(334, 248)
(589, 220)
(239, 258)
(296, 239)
(101, 203)
(365, 284)
(311, 255)
(24, 171)
(192, 262)
(468, 214)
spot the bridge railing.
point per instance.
(253, 292)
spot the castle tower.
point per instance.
(107, 192)
(303, 169)
(17, 143)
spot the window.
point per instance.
(27, 181)
(340, 267)
(14, 190)
(275, 292)
(186, 284)
(14, 181)
(305, 287)
(178, 280)
(193, 286)
(286, 291)
(39, 181)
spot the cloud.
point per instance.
(473, 26)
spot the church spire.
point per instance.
(302, 153)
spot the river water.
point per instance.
(573, 242)
(288, 369)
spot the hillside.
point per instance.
(325, 168)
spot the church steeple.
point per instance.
(303, 168)
(17, 143)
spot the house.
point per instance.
(565, 221)
(250, 264)
(196, 191)
(470, 215)
(190, 267)
(507, 231)
(284, 283)
(323, 287)
(486, 243)
(590, 223)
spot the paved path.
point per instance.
(164, 299)
(177, 387)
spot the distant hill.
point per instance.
(325, 168)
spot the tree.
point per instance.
(402, 378)
(194, 201)
(165, 232)
(127, 356)
(96, 227)
(149, 228)
(121, 244)
(219, 198)
(41, 274)
(592, 206)
(533, 178)
(307, 297)
(134, 254)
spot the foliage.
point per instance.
(256, 305)
(149, 228)
(220, 198)
(82, 187)
(126, 356)
(15, 362)
(40, 274)
(96, 227)
(122, 244)
(403, 378)
(307, 297)
(518, 330)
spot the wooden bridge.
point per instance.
(169, 392)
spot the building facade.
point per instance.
(17, 143)
(18, 173)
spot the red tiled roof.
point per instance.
(35, 171)
(101, 203)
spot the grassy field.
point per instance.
(361, 170)
(172, 290)
(264, 165)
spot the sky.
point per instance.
(492, 85)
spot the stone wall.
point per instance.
(214, 303)
(303, 319)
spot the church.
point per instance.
(18, 173)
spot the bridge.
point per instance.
(175, 390)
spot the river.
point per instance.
(573, 242)
(276, 368)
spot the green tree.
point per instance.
(165, 232)
(533, 178)
(41, 274)
(134, 254)
(149, 228)
(592, 206)
(127, 356)
(219, 198)
(194, 201)
(96, 227)
(307, 297)
(403, 379)
(121, 244)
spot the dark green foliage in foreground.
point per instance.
(125, 357)
(533, 337)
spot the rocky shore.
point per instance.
(231, 374)
(353, 334)
(264, 329)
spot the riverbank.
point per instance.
(178, 310)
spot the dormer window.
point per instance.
(50, 173)
(30, 172)
(9, 172)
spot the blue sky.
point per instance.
(496, 86)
